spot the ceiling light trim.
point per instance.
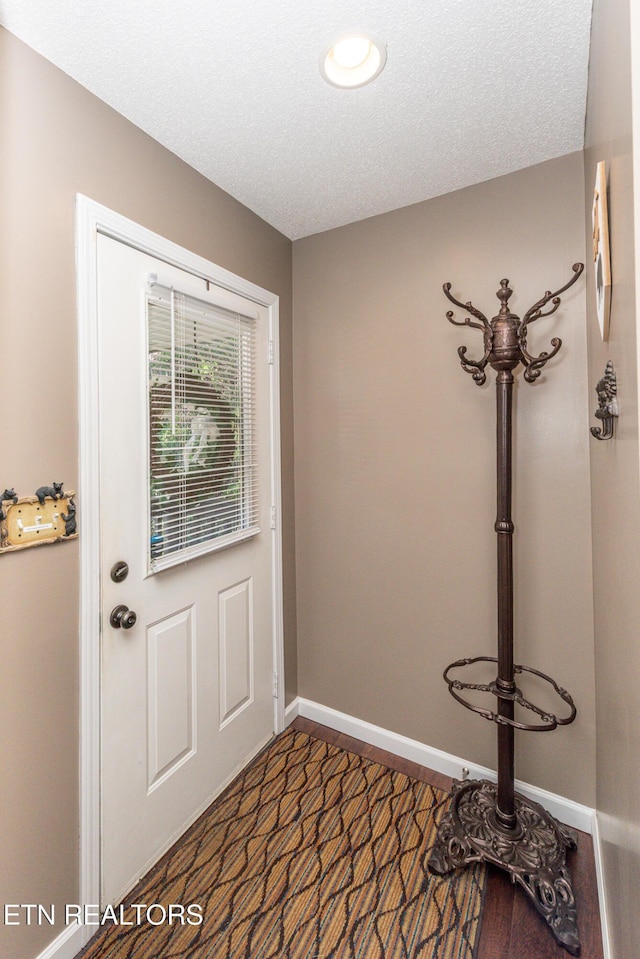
(337, 71)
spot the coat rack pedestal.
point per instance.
(532, 852)
(489, 822)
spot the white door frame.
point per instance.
(93, 218)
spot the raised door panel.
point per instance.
(171, 694)
(235, 607)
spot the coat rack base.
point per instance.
(533, 852)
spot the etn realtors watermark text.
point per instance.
(136, 914)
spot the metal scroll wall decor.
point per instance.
(489, 822)
(607, 412)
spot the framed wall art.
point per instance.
(601, 256)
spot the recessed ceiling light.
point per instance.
(353, 60)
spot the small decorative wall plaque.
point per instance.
(49, 516)
(601, 255)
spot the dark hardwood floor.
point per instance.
(511, 927)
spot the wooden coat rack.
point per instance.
(487, 822)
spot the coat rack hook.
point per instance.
(608, 409)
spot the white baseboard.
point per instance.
(291, 711)
(565, 810)
(602, 898)
(67, 945)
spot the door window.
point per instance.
(202, 443)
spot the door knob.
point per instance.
(122, 617)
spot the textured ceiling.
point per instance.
(472, 89)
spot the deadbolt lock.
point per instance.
(119, 571)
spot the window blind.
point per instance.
(203, 469)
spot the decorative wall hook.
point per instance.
(608, 409)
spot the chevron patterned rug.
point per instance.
(313, 852)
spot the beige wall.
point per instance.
(615, 482)
(395, 467)
(58, 140)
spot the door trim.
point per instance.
(91, 219)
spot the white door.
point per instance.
(187, 689)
